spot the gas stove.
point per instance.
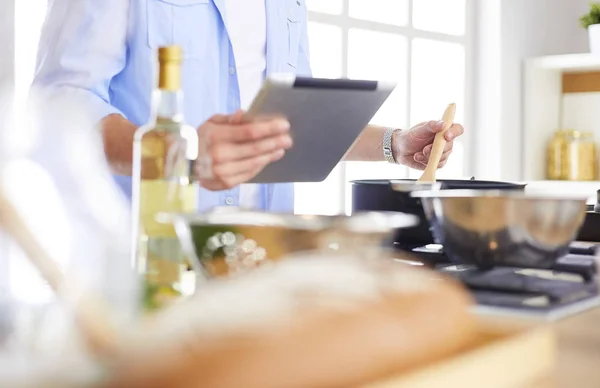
(569, 288)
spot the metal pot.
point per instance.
(221, 242)
(394, 195)
(503, 228)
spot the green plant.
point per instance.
(592, 17)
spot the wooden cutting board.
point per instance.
(504, 354)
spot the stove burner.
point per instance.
(571, 283)
(524, 288)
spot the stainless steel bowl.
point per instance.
(503, 228)
(233, 240)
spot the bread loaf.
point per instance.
(304, 323)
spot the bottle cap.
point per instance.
(170, 54)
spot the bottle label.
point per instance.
(162, 256)
(161, 196)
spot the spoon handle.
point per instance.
(438, 145)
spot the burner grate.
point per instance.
(569, 286)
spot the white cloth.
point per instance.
(247, 28)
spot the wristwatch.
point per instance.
(387, 145)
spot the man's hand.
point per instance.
(413, 147)
(232, 152)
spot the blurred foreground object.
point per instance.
(319, 321)
(231, 241)
(308, 321)
(53, 174)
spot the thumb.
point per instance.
(433, 126)
(426, 130)
(237, 117)
(219, 119)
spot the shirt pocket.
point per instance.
(295, 15)
(174, 22)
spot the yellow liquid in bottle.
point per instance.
(164, 188)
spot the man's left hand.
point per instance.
(412, 148)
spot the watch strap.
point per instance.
(388, 154)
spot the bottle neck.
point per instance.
(169, 98)
(168, 105)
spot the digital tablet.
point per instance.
(326, 115)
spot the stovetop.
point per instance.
(571, 287)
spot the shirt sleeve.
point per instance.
(303, 67)
(83, 46)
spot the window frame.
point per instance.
(345, 22)
(7, 85)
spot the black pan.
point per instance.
(378, 195)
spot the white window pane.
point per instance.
(374, 170)
(325, 43)
(29, 18)
(325, 6)
(436, 82)
(444, 16)
(393, 12)
(325, 198)
(381, 56)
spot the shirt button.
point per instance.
(232, 70)
(229, 201)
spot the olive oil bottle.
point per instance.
(163, 152)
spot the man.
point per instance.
(103, 52)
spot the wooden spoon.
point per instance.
(438, 146)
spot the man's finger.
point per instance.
(224, 171)
(426, 131)
(454, 131)
(228, 152)
(237, 117)
(447, 148)
(434, 126)
(220, 119)
(244, 173)
(444, 158)
(242, 133)
(420, 158)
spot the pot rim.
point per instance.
(359, 222)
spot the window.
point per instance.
(422, 45)
(18, 274)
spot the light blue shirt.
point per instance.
(104, 53)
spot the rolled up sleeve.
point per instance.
(83, 46)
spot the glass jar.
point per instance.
(556, 157)
(581, 156)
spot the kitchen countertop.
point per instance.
(578, 363)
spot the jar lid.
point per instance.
(588, 134)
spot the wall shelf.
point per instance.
(559, 92)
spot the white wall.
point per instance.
(508, 32)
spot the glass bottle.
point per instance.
(163, 151)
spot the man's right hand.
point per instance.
(232, 152)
